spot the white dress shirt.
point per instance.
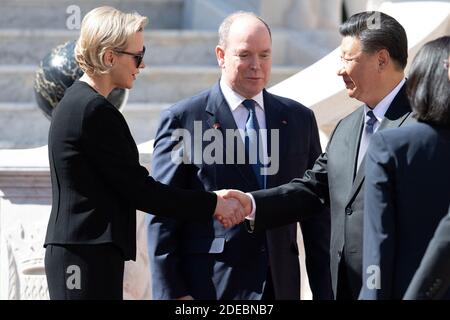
(240, 113)
(379, 111)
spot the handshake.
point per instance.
(232, 207)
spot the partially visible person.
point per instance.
(432, 279)
(446, 64)
(203, 260)
(373, 63)
(97, 181)
(408, 181)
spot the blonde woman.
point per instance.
(97, 181)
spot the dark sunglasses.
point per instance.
(138, 57)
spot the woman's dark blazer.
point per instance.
(97, 181)
(407, 194)
(432, 278)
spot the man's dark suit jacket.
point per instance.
(432, 278)
(97, 181)
(204, 259)
(407, 194)
(334, 180)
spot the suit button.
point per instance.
(263, 249)
(348, 211)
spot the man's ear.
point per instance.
(384, 59)
(220, 55)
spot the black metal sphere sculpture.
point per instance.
(57, 71)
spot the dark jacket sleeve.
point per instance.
(432, 278)
(164, 234)
(316, 235)
(299, 199)
(109, 145)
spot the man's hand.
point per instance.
(243, 198)
(228, 211)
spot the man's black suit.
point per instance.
(335, 181)
(206, 261)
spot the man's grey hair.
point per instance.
(225, 26)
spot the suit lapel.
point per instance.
(219, 117)
(275, 120)
(395, 116)
(398, 112)
(354, 141)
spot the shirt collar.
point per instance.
(381, 108)
(234, 99)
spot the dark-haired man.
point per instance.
(374, 55)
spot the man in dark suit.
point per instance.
(432, 279)
(204, 260)
(374, 55)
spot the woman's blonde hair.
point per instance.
(102, 29)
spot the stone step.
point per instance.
(166, 84)
(67, 14)
(165, 47)
(23, 125)
(215, 10)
